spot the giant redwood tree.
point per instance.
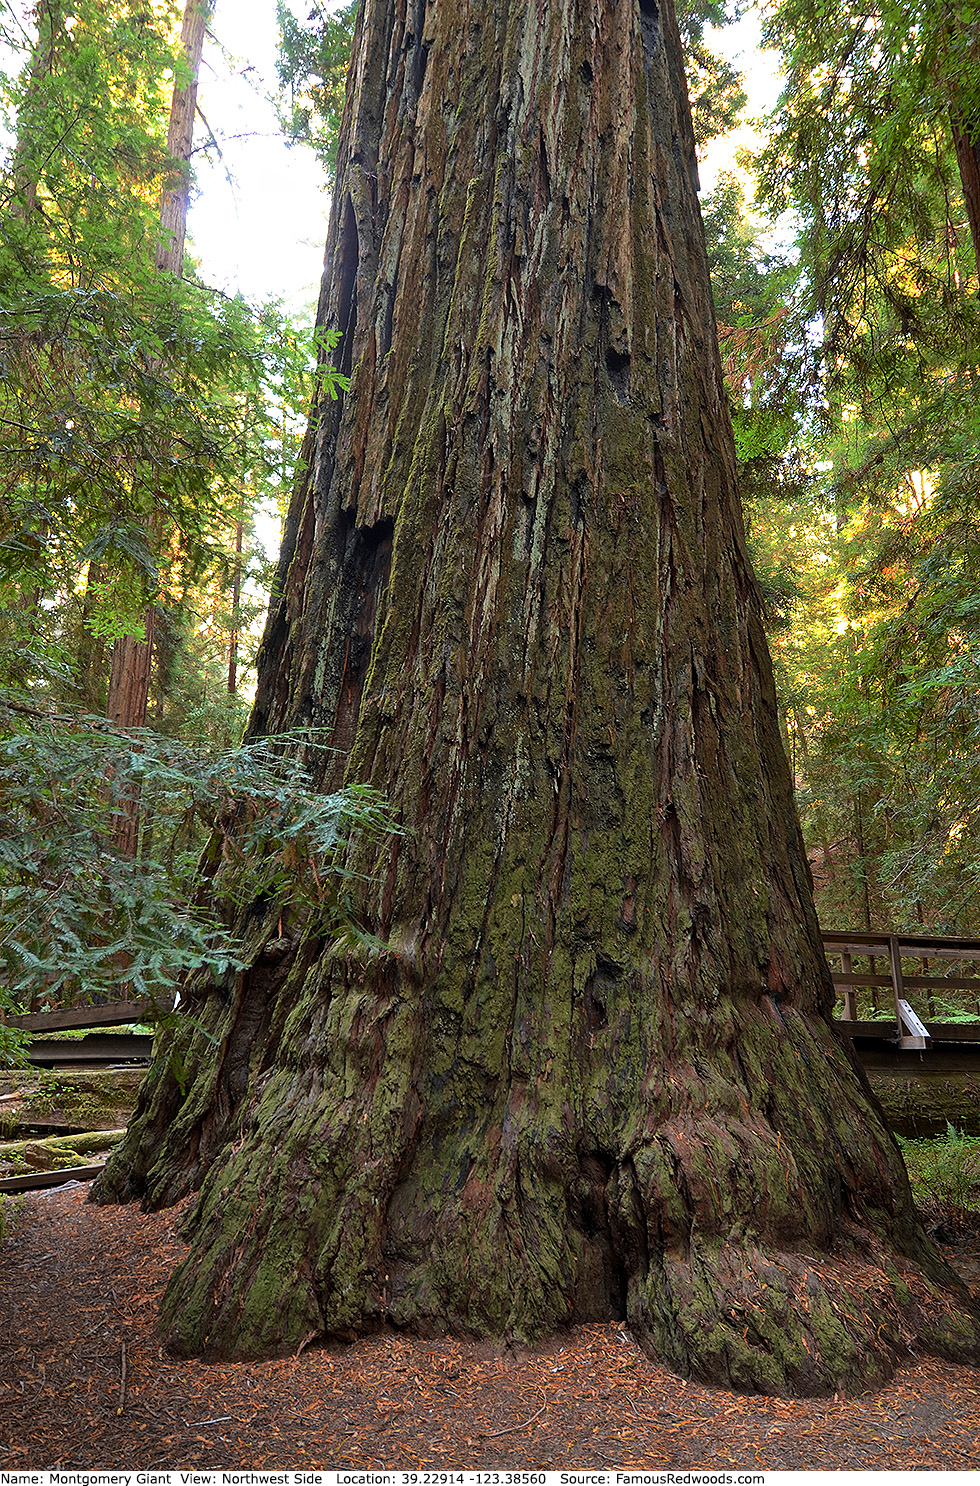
(593, 1072)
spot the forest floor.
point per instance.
(84, 1384)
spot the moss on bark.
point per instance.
(595, 1074)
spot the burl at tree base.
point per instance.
(594, 1075)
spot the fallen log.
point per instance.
(59, 1150)
(922, 1104)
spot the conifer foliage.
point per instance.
(143, 418)
(874, 145)
(123, 438)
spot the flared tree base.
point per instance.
(339, 1195)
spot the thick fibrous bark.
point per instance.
(595, 1074)
(128, 696)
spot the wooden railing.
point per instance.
(912, 1033)
(111, 1014)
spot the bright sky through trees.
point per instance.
(739, 43)
(259, 218)
(259, 215)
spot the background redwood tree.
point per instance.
(593, 1072)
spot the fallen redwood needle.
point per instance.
(122, 1380)
(495, 1435)
(196, 1423)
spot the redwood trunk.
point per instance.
(594, 1074)
(236, 610)
(129, 690)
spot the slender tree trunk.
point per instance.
(236, 613)
(129, 676)
(962, 59)
(180, 138)
(129, 690)
(594, 1074)
(49, 19)
(966, 138)
(865, 893)
(865, 860)
(91, 648)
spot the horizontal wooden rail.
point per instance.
(116, 1014)
(911, 949)
(939, 1032)
(41, 1179)
(932, 943)
(848, 944)
(910, 982)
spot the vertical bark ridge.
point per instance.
(594, 1073)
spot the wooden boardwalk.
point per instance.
(908, 1031)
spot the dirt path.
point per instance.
(79, 1292)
